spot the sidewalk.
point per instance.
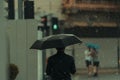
(101, 71)
(104, 74)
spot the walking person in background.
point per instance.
(60, 66)
(13, 71)
(88, 60)
(94, 54)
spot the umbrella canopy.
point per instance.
(56, 41)
(93, 45)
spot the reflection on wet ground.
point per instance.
(108, 76)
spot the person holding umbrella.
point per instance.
(88, 60)
(91, 58)
(60, 66)
(94, 53)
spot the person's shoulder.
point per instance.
(51, 57)
(69, 56)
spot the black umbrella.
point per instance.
(56, 41)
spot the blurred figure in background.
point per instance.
(96, 62)
(13, 71)
(88, 60)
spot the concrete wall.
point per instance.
(3, 44)
(22, 34)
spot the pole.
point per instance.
(44, 56)
(45, 32)
(20, 9)
(118, 52)
(39, 55)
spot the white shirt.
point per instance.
(87, 55)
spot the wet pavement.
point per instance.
(111, 76)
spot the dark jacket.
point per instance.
(60, 66)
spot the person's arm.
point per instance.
(73, 67)
(93, 53)
(48, 68)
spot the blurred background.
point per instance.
(24, 21)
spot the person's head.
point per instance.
(93, 48)
(60, 49)
(88, 47)
(13, 71)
